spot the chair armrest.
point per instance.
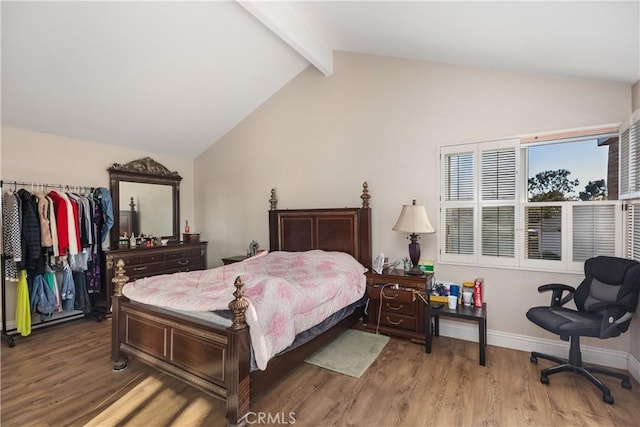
(600, 306)
(557, 289)
(612, 317)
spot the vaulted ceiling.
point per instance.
(174, 77)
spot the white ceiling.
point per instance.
(174, 77)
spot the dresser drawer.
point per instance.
(192, 263)
(391, 295)
(145, 259)
(398, 321)
(186, 253)
(145, 270)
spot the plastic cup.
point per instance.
(467, 296)
(454, 290)
(453, 302)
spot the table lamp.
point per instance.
(413, 219)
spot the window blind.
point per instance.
(593, 229)
(498, 231)
(459, 176)
(499, 174)
(459, 231)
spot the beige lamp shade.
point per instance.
(413, 219)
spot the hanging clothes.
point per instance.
(44, 235)
(50, 280)
(94, 282)
(43, 213)
(106, 204)
(68, 291)
(32, 259)
(53, 227)
(82, 301)
(11, 235)
(42, 298)
(62, 223)
(23, 311)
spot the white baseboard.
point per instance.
(634, 367)
(596, 355)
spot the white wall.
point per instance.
(381, 120)
(43, 158)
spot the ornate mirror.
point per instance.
(146, 200)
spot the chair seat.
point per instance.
(565, 322)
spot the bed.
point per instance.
(216, 359)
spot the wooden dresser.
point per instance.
(146, 262)
(395, 306)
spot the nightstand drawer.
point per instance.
(396, 307)
(391, 295)
(398, 321)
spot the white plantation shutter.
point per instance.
(458, 194)
(543, 232)
(633, 230)
(624, 163)
(498, 231)
(498, 185)
(499, 174)
(459, 231)
(629, 159)
(459, 180)
(594, 228)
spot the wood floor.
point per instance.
(62, 377)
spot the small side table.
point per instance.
(477, 314)
(233, 259)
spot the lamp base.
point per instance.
(415, 271)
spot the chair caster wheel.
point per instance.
(607, 399)
(544, 379)
(533, 359)
(626, 384)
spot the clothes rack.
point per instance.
(8, 334)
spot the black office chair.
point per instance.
(605, 300)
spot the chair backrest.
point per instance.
(609, 279)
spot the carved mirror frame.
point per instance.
(147, 171)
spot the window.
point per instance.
(507, 203)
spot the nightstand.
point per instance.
(395, 306)
(233, 259)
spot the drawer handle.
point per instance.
(389, 297)
(399, 322)
(140, 268)
(183, 262)
(395, 307)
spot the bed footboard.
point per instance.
(211, 358)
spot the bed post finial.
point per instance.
(238, 305)
(120, 279)
(365, 195)
(273, 200)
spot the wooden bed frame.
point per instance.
(217, 359)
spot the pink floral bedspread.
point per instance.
(288, 292)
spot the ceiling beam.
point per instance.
(279, 18)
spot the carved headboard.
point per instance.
(330, 229)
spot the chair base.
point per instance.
(564, 365)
